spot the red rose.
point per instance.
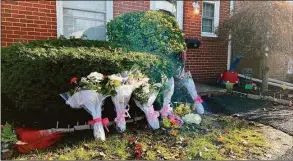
(73, 80)
(137, 147)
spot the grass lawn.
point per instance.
(217, 137)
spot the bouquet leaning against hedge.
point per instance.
(90, 93)
(144, 97)
(129, 81)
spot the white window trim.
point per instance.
(179, 11)
(216, 20)
(59, 12)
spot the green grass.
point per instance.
(239, 141)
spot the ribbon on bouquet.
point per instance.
(121, 116)
(152, 113)
(104, 121)
(165, 109)
(198, 99)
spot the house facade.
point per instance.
(23, 21)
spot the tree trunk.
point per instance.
(265, 73)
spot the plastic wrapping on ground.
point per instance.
(190, 85)
(192, 119)
(92, 102)
(121, 100)
(168, 93)
(36, 139)
(148, 109)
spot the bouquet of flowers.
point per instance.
(182, 110)
(172, 122)
(144, 97)
(189, 84)
(90, 93)
(129, 81)
(168, 92)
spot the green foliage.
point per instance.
(148, 31)
(7, 134)
(34, 74)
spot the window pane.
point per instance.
(77, 23)
(208, 17)
(207, 25)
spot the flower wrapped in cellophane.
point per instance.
(129, 81)
(167, 94)
(190, 86)
(90, 93)
(144, 97)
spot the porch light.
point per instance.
(196, 7)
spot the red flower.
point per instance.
(138, 154)
(105, 76)
(73, 80)
(137, 147)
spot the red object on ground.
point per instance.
(229, 76)
(36, 139)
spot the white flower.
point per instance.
(83, 80)
(146, 88)
(145, 80)
(95, 76)
(114, 77)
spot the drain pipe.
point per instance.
(229, 56)
(270, 83)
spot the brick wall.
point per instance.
(130, 6)
(210, 59)
(27, 20)
(31, 20)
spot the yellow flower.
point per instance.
(284, 87)
(116, 83)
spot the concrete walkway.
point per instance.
(204, 90)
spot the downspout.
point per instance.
(229, 57)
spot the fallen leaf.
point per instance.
(102, 154)
(244, 142)
(206, 149)
(220, 139)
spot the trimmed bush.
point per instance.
(34, 74)
(147, 31)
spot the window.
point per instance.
(210, 18)
(173, 6)
(84, 18)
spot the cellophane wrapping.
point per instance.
(167, 94)
(121, 100)
(190, 85)
(148, 109)
(92, 102)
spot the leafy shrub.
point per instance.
(34, 74)
(147, 31)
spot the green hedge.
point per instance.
(34, 74)
(147, 31)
